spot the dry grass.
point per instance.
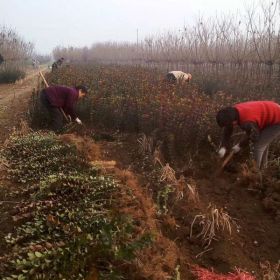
(85, 145)
(168, 175)
(213, 221)
(192, 193)
(158, 157)
(270, 272)
(187, 189)
(104, 165)
(145, 144)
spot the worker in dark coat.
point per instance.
(60, 101)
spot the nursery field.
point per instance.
(135, 193)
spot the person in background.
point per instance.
(54, 66)
(261, 122)
(57, 63)
(60, 61)
(35, 63)
(59, 99)
(175, 77)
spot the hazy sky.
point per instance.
(49, 23)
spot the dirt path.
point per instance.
(14, 102)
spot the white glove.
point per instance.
(222, 152)
(236, 148)
(78, 121)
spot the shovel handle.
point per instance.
(45, 82)
(227, 159)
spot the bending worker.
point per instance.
(59, 99)
(261, 122)
(174, 77)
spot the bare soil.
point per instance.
(14, 100)
(256, 239)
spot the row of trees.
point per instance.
(247, 45)
(13, 48)
(15, 55)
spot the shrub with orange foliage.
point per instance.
(136, 99)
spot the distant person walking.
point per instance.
(175, 77)
(35, 63)
(261, 122)
(58, 98)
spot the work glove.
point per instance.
(78, 121)
(222, 152)
(236, 148)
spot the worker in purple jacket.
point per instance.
(59, 99)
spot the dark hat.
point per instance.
(83, 88)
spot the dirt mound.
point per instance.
(84, 145)
(158, 261)
(146, 212)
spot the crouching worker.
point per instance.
(59, 100)
(261, 122)
(175, 77)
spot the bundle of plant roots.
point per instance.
(205, 274)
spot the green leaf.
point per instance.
(21, 277)
(31, 255)
(38, 254)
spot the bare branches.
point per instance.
(12, 47)
(245, 46)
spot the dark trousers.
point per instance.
(55, 113)
(171, 78)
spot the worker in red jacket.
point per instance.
(261, 122)
(59, 99)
